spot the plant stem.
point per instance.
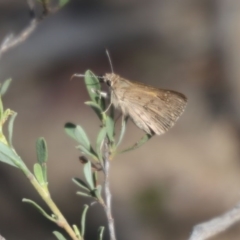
(60, 219)
(108, 196)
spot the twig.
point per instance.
(216, 225)
(60, 219)
(11, 41)
(107, 206)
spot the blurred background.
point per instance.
(174, 181)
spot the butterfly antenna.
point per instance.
(110, 61)
(82, 75)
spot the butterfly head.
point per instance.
(110, 79)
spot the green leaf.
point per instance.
(10, 127)
(90, 153)
(143, 140)
(93, 86)
(110, 128)
(37, 169)
(42, 152)
(123, 129)
(97, 192)
(100, 140)
(83, 219)
(96, 108)
(81, 184)
(39, 209)
(77, 231)
(9, 156)
(87, 170)
(77, 133)
(4, 86)
(83, 194)
(100, 232)
(42, 156)
(59, 236)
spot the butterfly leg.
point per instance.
(100, 93)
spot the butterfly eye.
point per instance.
(108, 82)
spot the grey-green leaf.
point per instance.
(123, 129)
(8, 156)
(96, 108)
(90, 153)
(83, 219)
(10, 127)
(98, 191)
(4, 86)
(83, 194)
(110, 128)
(100, 139)
(100, 232)
(44, 213)
(59, 236)
(93, 86)
(42, 152)
(77, 133)
(37, 169)
(87, 170)
(79, 182)
(143, 140)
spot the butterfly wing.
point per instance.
(153, 110)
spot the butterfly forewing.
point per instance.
(153, 110)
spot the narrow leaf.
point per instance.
(42, 152)
(81, 184)
(143, 140)
(110, 128)
(84, 194)
(87, 170)
(92, 85)
(42, 156)
(39, 209)
(83, 220)
(8, 156)
(77, 133)
(37, 169)
(96, 108)
(90, 153)
(94, 88)
(59, 236)
(98, 192)
(10, 127)
(5, 86)
(123, 129)
(100, 232)
(77, 231)
(100, 139)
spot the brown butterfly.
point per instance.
(152, 109)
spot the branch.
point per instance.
(216, 225)
(107, 206)
(11, 41)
